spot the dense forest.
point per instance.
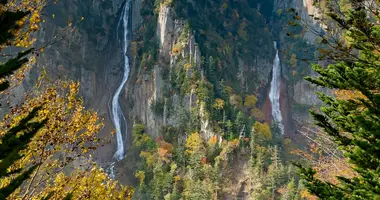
(198, 79)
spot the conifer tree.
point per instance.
(352, 123)
(11, 144)
(8, 27)
(11, 147)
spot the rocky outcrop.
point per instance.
(141, 95)
(149, 87)
(304, 93)
(165, 30)
(136, 16)
(306, 11)
(259, 71)
(301, 91)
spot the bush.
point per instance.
(236, 100)
(263, 131)
(138, 129)
(250, 101)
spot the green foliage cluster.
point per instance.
(144, 43)
(201, 169)
(353, 123)
(180, 80)
(183, 78)
(181, 164)
(243, 34)
(231, 119)
(226, 31)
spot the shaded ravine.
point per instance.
(275, 90)
(117, 115)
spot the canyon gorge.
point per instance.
(157, 63)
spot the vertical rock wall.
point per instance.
(149, 88)
(87, 51)
(302, 92)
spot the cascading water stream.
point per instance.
(116, 112)
(274, 94)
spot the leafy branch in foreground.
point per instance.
(352, 123)
(67, 134)
(10, 149)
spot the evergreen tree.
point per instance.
(18, 21)
(10, 149)
(11, 144)
(352, 123)
(291, 192)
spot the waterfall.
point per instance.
(274, 94)
(116, 112)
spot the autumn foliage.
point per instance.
(68, 135)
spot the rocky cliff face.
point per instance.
(83, 50)
(178, 49)
(82, 45)
(306, 11)
(149, 87)
(301, 93)
(89, 51)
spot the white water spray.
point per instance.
(117, 114)
(274, 94)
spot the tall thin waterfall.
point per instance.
(274, 94)
(117, 114)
